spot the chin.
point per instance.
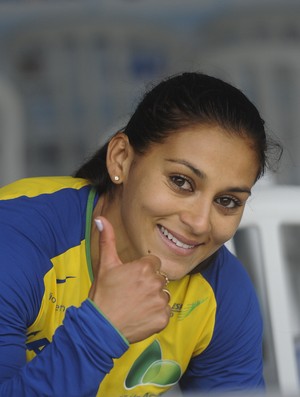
(174, 274)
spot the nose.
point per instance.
(197, 217)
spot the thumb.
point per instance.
(108, 251)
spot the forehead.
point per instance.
(212, 149)
(203, 137)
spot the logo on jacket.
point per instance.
(151, 369)
(185, 310)
(63, 280)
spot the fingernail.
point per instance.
(99, 224)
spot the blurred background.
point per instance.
(71, 73)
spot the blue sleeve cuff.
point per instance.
(102, 314)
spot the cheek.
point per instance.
(225, 229)
(140, 204)
(154, 205)
(148, 196)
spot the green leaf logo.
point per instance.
(150, 368)
(189, 308)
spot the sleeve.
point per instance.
(75, 362)
(82, 350)
(233, 359)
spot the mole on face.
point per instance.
(149, 252)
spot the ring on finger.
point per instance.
(167, 292)
(165, 276)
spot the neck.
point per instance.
(95, 252)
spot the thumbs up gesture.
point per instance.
(130, 294)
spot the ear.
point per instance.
(119, 157)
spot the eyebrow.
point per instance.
(195, 170)
(202, 175)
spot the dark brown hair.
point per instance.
(181, 101)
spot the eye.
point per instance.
(181, 183)
(228, 202)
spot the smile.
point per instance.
(177, 242)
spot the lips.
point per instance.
(178, 242)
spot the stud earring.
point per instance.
(116, 178)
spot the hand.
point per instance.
(130, 295)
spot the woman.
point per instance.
(117, 279)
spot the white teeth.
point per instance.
(174, 239)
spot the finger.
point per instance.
(154, 260)
(108, 251)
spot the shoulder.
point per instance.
(233, 358)
(32, 187)
(237, 303)
(39, 219)
(228, 277)
(40, 207)
(47, 214)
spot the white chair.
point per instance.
(268, 242)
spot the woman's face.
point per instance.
(184, 198)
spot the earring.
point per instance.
(116, 178)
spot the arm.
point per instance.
(82, 350)
(74, 363)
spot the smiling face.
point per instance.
(183, 199)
